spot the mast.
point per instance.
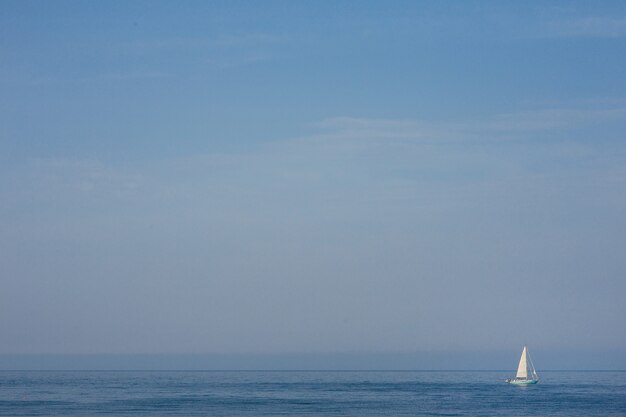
(532, 367)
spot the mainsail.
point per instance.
(522, 368)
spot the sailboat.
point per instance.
(526, 373)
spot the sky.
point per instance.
(302, 178)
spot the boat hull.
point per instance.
(523, 381)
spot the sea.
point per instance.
(316, 393)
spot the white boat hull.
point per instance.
(522, 381)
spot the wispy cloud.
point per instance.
(363, 152)
(238, 59)
(80, 178)
(548, 119)
(248, 40)
(131, 75)
(343, 149)
(592, 26)
(363, 128)
(521, 122)
(226, 41)
(119, 76)
(222, 51)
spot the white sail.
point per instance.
(522, 368)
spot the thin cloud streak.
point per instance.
(550, 119)
(231, 41)
(342, 136)
(522, 122)
(592, 27)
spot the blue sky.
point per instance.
(273, 177)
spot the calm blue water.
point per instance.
(28, 393)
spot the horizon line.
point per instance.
(302, 370)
